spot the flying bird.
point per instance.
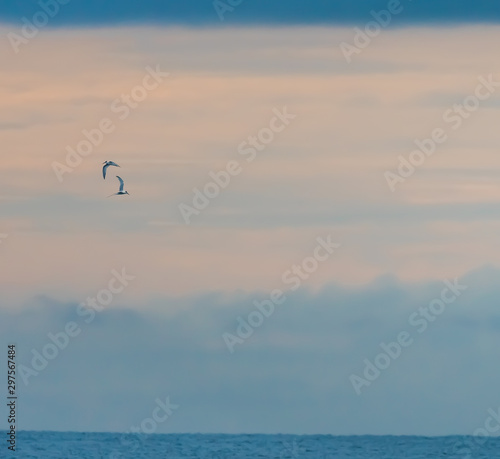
(105, 167)
(121, 188)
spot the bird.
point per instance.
(105, 167)
(121, 188)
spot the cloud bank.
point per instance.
(292, 375)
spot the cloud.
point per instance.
(290, 376)
(324, 174)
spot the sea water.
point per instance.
(64, 445)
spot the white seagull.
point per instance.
(121, 188)
(106, 165)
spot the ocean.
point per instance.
(59, 445)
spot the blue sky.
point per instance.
(318, 172)
(335, 12)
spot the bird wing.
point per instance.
(104, 171)
(121, 182)
(112, 163)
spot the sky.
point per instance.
(256, 12)
(335, 186)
